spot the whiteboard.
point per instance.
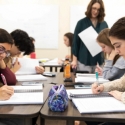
(39, 21)
(114, 10)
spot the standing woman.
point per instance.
(82, 59)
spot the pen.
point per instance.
(97, 77)
(4, 79)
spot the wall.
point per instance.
(64, 22)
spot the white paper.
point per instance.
(27, 66)
(98, 105)
(30, 77)
(86, 75)
(88, 37)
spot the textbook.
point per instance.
(25, 95)
(30, 77)
(92, 103)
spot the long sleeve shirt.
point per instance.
(116, 71)
(80, 50)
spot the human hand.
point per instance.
(6, 92)
(116, 94)
(98, 69)
(39, 69)
(74, 64)
(16, 65)
(96, 89)
(67, 57)
(112, 55)
(60, 61)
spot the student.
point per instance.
(114, 66)
(82, 59)
(6, 43)
(117, 87)
(22, 43)
(6, 91)
(68, 39)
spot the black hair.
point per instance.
(33, 39)
(5, 37)
(23, 41)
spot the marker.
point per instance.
(4, 79)
(97, 77)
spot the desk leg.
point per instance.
(51, 69)
(42, 121)
(69, 122)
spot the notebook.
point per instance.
(86, 75)
(97, 103)
(90, 79)
(25, 95)
(30, 77)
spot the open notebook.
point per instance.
(95, 104)
(25, 95)
(30, 77)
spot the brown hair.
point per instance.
(101, 11)
(103, 37)
(70, 37)
(118, 29)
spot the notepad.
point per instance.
(86, 75)
(25, 95)
(95, 104)
(30, 77)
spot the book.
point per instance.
(25, 95)
(30, 77)
(101, 103)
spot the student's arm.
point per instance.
(9, 75)
(6, 92)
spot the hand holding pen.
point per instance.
(96, 89)
(98, 69)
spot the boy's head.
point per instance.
(6, 43)
(22, 43)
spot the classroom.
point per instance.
(81, 83)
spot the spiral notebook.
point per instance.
(25, 95)
(86, 102)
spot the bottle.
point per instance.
(67, 67)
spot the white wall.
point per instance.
(64, 20)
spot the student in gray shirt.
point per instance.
(114, 66)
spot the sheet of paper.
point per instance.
(98, 105)
(86, 75)
(27, 66)
(30, 77)
(88, 37)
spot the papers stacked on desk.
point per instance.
(89, 78)
(25, 95)
(30, 77)
(96, 104)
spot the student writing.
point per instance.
(117, 87)
(114, 66)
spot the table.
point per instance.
(71, 113)
(25, 112)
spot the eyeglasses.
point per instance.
(3, 50)
(94, 8)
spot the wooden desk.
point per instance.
(71, 114)
(25, 112)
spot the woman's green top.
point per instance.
(79, 49)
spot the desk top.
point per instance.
(71, 113)
(23, 111)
